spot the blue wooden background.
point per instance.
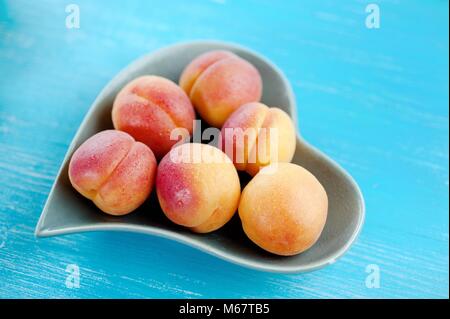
(376, 100)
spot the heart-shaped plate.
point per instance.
(66, 211)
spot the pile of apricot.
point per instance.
(283, 208)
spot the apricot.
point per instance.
(218, 82)
(149, 108)
(198, 187)
(284, 211)
(114, 171)
(256, 135)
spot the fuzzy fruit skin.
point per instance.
(251, 152)
(114, 171)
(284, 211)
(194, 69)
(149, 108)
(218, 83)
(201, 195)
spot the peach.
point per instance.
(149, 108)
(219, 82)
(256, 135)
(284, 211)
(198, 187)
(114, 171)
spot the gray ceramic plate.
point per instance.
(68, 212)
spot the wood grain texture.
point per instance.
(376, 100)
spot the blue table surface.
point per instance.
(375, 100)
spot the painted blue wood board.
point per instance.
(376, 100)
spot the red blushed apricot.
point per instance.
(198, 187)
(255, 136)
(200, 64)
(114, 171)
(284, 211)
(218, 82)
(149, 108)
